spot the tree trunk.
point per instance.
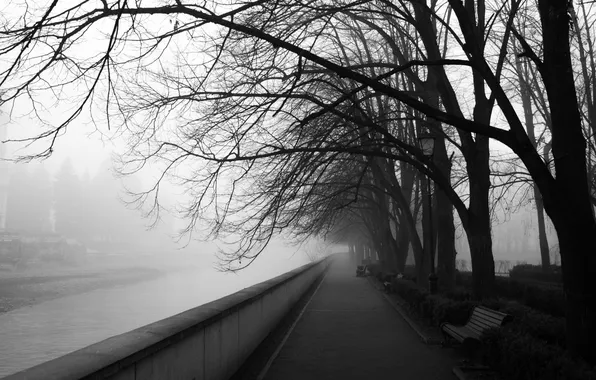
(444, 238)
(476, 153)
(577, 246)
(477, 160)
(542, 239)
(444, 223)
(483, 265)
(389, 247)
(359, 253)
(403, 244)
(379, 248)
(479, 227)
(523, 75)
(402, 198)
(406, 219)
(391, 252)
(423, 267)
(568, 202)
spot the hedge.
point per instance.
(374, 268)
(520, 356)
(531, 347)
(548, 298)
(436, 308)
(441, 308)
(536, 273)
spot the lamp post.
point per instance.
(427, 143)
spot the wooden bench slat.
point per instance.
(491, 315)
(491, 311)
(478, 326)
(477, 329)
(485, 323)
(488, 322)
(481, 314)
(488, 318)
(497, 318)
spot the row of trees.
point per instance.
(305, 117)
(88, 209)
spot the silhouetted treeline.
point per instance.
(91, 210)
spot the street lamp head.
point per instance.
(427, 143)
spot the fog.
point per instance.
(74, 215)
(79, 263)
(75, 196)
(90, 266)
(111, 294)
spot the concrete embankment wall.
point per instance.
(209, 342)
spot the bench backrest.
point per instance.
(483, 318)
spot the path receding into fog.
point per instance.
(349, 331)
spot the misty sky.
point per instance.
(83, 144)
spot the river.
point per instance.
(35, 334)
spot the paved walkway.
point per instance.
(349, 331)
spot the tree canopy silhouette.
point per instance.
(220, 93)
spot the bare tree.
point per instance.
(229, 108)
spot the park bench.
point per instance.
(482, 319)
(360, 270)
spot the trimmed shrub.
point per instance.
(536, 324)
(374, 268)
(409, 273)
(531, 347)
(463, 279)
(548, 298)
(516, 355)
(535, 273)
(410, 292)
(454, 312)
(436, 308)
(458, 294)
(442, 308)
(410, 270)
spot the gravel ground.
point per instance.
(25, 289)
